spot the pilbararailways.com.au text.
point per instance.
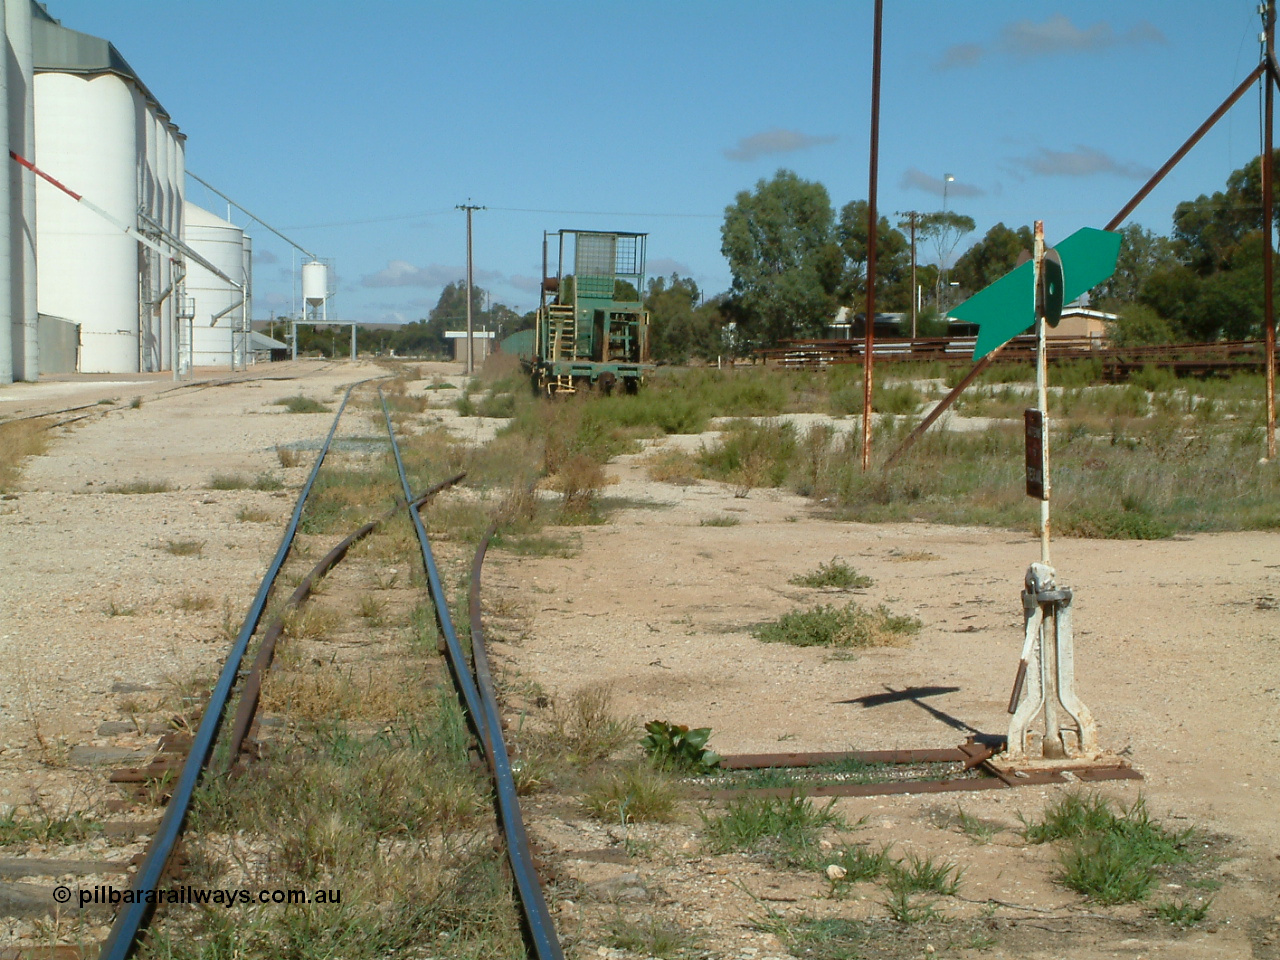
(231, 897)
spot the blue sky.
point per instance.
(357, 128)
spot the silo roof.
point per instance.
(58, 49)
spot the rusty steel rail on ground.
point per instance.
(475, 688)
(251, 687)
(974, 756)
(130, 921)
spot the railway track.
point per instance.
(1115, 363)
(214, 747)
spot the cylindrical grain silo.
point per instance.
(22, 214)
(85, 135)
(315, 282)
(222, 244)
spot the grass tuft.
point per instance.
(836, 574)
(301, 404)
(184, 548)
(785, 828)
(721, 521)
(142, 486)
(849, 626)
(1182, 913)
(652, 937)
(1111, 855)
(635, 793)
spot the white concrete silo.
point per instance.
(26, 361)
(222, 244)
(85, 135)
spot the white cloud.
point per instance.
(402, 273)
(665, 266)
(1026, 40)
(774, 141)
(1081, 162)
(915, 179)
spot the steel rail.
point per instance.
(251, 688)
(124, 931)
(483, 714)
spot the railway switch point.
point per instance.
(1045, 684)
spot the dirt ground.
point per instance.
(1178, 656)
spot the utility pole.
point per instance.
(1268, 271)
(471, 356)
(872, 223)
(911, 216)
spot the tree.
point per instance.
(944, 230)
(893, 260)
(780, 244)
(1143, 253)
(991, 257)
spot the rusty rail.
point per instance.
(130, 920)
(251, 687)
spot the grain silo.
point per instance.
(219, 307)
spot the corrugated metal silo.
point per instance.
(85, 133)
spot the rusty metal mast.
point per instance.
(869, 324)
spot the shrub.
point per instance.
(848, 626)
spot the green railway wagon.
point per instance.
(592, 331)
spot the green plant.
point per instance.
(916, 874)
(635, 793)
(253, 515)
(301, 404)
(676, 747)
(1111, 855)
(1183, 913)
(979, 831)
(849, 626)
(859, 863)
(74, 828)
(783, 827)
(184, 548)
(1107, 869)
(836, 574)
(371, 609)
(651, 937)
(906, 909)
(142, 486)
(193, 602)
(721, 521)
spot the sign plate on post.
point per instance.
(1036, 486)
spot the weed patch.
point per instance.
(782, 828)
(20, 439)
(633, 794)
(651, 937)
(184, 548)
(301, 404)
(1110, 855)
(837, 574)
(848, 626)
(142, 486)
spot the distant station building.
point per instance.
(481, 340)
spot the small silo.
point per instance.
(222, 244)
